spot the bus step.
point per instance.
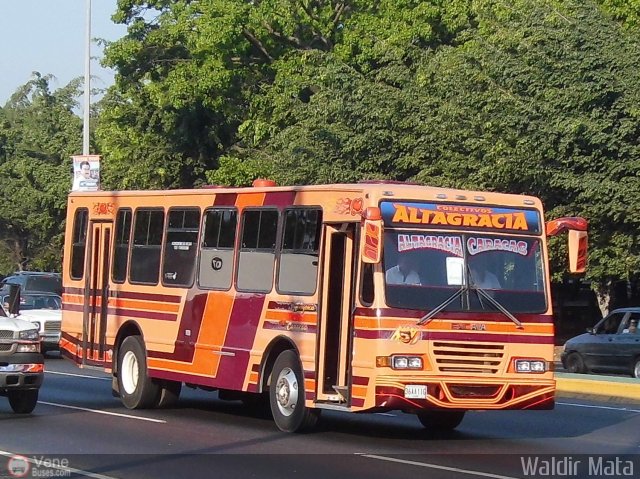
(343, 392)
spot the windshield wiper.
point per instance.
(429, 316)
(498, 306)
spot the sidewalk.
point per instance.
(613, 388)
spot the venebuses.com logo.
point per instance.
(38, 466)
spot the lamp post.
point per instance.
(87, 82)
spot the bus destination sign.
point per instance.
(467, 217)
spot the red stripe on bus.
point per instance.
(460, 316)
(241, 333)
(279, 198)
(466, 337)
(225, 199)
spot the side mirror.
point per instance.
(14, 299)
(591, 331)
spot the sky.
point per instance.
(48, 36)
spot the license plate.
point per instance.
(415, 391)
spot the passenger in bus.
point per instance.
(403, 272)
(482, 277)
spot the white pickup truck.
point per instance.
(21, 362)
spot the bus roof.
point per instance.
(374, 189)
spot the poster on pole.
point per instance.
(86, 173)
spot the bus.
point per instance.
(295, 299)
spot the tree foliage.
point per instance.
(537, 97)
(38, 133)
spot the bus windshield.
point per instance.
(424, 270)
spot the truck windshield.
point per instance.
(424, 270)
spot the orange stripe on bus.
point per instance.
(250, 199)
(215, 321)
(359, 391)
(309, 318)
(144, 305)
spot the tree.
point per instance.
(38, 133)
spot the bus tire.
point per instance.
(575, 364)
(440, 420)
(169, 393)
(287, 395)
(23, 401)
(137, 389)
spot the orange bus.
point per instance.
(361, 297)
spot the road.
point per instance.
(78, 428)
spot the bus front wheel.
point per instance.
(137, 389)
(440, 420)
(287, 396)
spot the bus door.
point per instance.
(335, 338)
(96, 294)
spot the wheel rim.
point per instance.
(287, 392)
(636, 370)
(129, 373)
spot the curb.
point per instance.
(612, 387)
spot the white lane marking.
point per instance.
(437, 466)
(610, 408)
(103, 412)
(77, 375)
(65, 469)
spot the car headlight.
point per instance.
(531, 366)
(29, 334)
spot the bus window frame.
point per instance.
(115, 243)
(165, 235)
(132, 245)
(280, 244)
(84, 210)
(239, 248)
(234, 248)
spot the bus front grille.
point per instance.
(474, 358)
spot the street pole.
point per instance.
(87, 82)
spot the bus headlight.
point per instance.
(406, 362)
(531, 366)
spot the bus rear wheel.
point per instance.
(440, 420)
(137, 389)
(287, 396)
(23, 401)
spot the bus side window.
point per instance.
(257, 250)
(147, 246)
(80, 223)
(180, 247)
(121, 245)
(216, 255)
(298, 266)
(366, 284)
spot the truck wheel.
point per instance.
(440, 420)
(23, 401)
(575, 364)
(137, 390)
(287, 396)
